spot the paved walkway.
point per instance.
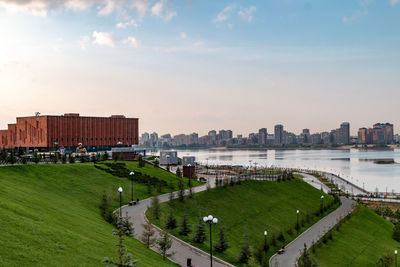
(182, 250)
(294, 249)
(314, 182)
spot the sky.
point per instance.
(185, 66)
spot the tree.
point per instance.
(281, 237)
(222, 243)
(185, 228)
(93, 158)
(386, 260)
(155, 207)
(181, 192)
(141, 162)
(125, 259)
(200, 232)
(260, 254)
(106, 209)
(178, 172)
(171, 221)
(306, 260)
(36, 158)
(245, 251)
(55, 158)
(164, 244)
(71, 158)
(396, 232)
(24, 160)
(64, 158)
(104, 156)
(11, 159)
(147, 235)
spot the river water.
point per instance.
(357, 166)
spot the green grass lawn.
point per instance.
(252, 207)
(50, 216)
(157, 172)
(360, 241)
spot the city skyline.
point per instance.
(185, 66)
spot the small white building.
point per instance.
(168, 158)
(186, 161)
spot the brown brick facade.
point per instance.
(70, 130)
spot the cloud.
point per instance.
(103, 39)
(158, 7)
(247, 13)
(224, 14)
(359, 12)
(394, 2)
(103, 7)
(199, 44)
(132, 42)
(159, 10)
(183, 35)
(84, 41)
(126, 24)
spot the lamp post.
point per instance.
(322, 204)
(132, 174)
(210, 220)
(265, 243)
(120, 201)
(395, 257)
(297, 224)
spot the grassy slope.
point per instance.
(360, 241)
(157, 172)
(50, 217)
(253, 206)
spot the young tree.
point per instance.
(281, 237)
(260, 254)
(181, 192)
(171, 221)
(185, 228)
(200, 232)
(141, 162)
(125, 259)
(155, 207)
(64, 158)
(55, 158)
(245, 251)
(11, 159)
(306, 260)
(24, 160)
(147, 235)
(396, 232)
(71, 158)
(104, 156)
(222, 243)
(178, 172)
(164, 244)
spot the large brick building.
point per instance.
(70, 130)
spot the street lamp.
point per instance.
(297, 225)
(265, 243)
(132, 174)
(322, 204)
(210, 220)
(395, 257)
(120, 201)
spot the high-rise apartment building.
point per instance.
(278, 131)
(262, 136)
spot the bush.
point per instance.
(281, 237)
(396, 232)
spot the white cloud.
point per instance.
(394, 2)
(77, 5)
(199, 44)
(103, 39)
(84, 41)
(159, 10)
(33, 7)
(126, 24)
(132, 42)
(107, 9)
(141, 7)
(158, 7)
(225, 13)
(247, 13)
(359, 12)
(183, 35)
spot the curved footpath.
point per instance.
(182, 250)
(295, 248)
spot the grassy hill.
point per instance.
(360, 241)
(50, 217)
(252, 207)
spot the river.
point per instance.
(357, 166)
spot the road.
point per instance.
(314, 182)
(182, 250)
(294, 249)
